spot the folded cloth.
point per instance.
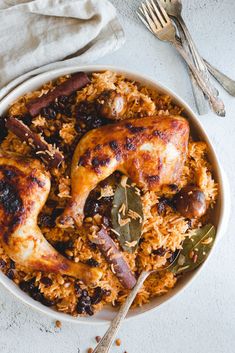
(41, 35)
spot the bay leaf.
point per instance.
(195, 250)
(127, 229)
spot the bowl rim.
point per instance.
(224, 185)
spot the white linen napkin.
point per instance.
(40, 35)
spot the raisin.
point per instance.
(54, 138)
(81, 306)
(2, 264)
(107, 292)
(161, 206)
(94, 206)
(91, 245)
(46, 220)
(91, 207)
(160, 251)
(3, 130)
(173, 187)
(27, 119)
(84, 293)
(46, 281)
(89, 310)
(92, 262)
(24, 286)
(62, 107)
(10, 274)
(63, 100)
(12, 264)
(36, 294)
(80, 309)
(77, 289)
(28, 286)
(86, 113)
(48, 112)
(47, 302)
(97, 295)
(62, 246)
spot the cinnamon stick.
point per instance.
(74, 83)
(44, 150)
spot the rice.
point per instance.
(162, 234)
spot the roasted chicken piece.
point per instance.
(24, 188)
(151, 151)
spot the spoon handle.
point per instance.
(199, 62)
(107, 340)
(226, 82)
(215, 102)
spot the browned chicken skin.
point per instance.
(24, 188)
(151, 151)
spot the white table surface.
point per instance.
(202, 318)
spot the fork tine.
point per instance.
(158, 13)
(143, 20)
(151, 23)
(161, 8)
(155, 19)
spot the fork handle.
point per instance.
(105, 343)
(216, 103)
(199, 62)
(200, 100)
(226, 82)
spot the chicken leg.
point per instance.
(151, 151)
(24, 188)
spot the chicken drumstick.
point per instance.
(151, 151)
(24, 188)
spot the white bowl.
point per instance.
(221, 213)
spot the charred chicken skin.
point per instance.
(24, 188)
(151, 151)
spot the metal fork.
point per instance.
(155, 18)
(169, 5)
(174, 9)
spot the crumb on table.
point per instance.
(58, 323)
(118, 342)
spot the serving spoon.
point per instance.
(108, 338)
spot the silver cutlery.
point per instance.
(105, 343)
(107, 340)
(174, 9)
(226, 82)
(200, 101)
(159, 23)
